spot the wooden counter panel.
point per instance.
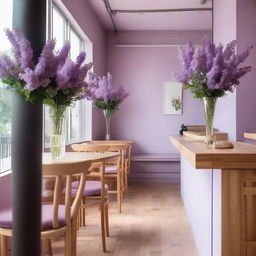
(201, 156)
(238, 190)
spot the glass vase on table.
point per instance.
(107, 115)
(58, 131)
(209, 109)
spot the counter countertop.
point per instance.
(202, 156)
(250, 135)
(200, 135)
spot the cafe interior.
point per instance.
(127, 127)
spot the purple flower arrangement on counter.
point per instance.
(54, 80)
(210, 70)
(102, 93)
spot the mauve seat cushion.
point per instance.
(47, 215)
(92, 188)
(111, 169)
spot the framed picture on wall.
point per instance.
(172, 98)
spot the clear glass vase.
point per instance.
(107, 115)
(209, 109)
(58, 131)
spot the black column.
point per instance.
(29, 16)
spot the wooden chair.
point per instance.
(127, 162)
(95, 190)
(116, 171)
(60, 217)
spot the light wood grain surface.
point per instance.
(200, 135)
(111, 142)
(72, 157)
(201, 156)
(153, 223)
(250, 135)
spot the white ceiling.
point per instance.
(194, 20)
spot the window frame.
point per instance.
(85, 107)
(5, 148)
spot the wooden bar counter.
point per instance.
(218, 187)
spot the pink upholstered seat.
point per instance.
(47, 215)
(111, 169)
(92, 188)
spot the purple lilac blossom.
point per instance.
(22, 50)
(72, 75)
(54, 72)
(63, 54)
(22, 53)
(186, 57)
(100, 88)
(220, 66)
(8, 68)
(32, 81)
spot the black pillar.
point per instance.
(29, 16)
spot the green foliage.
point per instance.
(110, 105)
(65, 97)
(176, 103)
(17, 86)
(199, 88)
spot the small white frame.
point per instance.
(172, 90)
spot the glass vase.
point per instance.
(209, 109)
(58, 131)
(107, 115)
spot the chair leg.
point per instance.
(103, 231)
(126, 177)
(68, 242)
(83, 213)
(123, 184)
(78, 224)
(119, 193)
(4, 246)
(106, 218)
(49, 247)
(73, 236)
(1, 245)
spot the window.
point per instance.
(5, 97)
(63, 27)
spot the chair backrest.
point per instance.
(87, 147)
(64, 173)
(121, 149)
(128, 143)
(111, 142)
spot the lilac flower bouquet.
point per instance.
(105, 97)
(210, 70)
(54, 80)
(102, 93)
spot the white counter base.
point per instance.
(201, 194)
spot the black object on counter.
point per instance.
(183, 128)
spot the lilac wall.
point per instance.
(86, 18)
(143, 70)
(224, 30)
(235, 19)
(246, 34)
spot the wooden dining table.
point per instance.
(74, 157)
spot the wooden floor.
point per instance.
(153, 223)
